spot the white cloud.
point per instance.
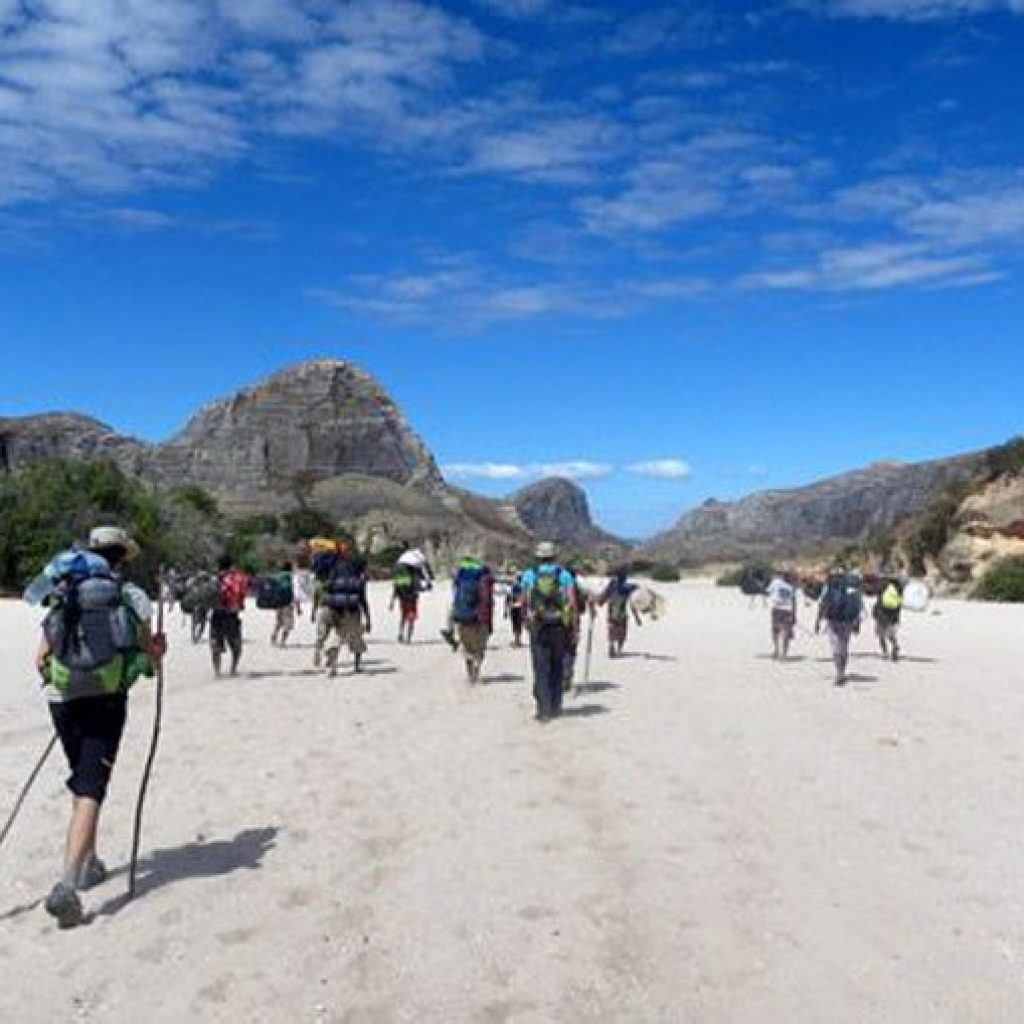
(875, 266)
(483, 471)
(663, 469)
(911, 10)
(573, 469)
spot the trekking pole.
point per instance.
(24, 789)
(151, 756)
(590, 650)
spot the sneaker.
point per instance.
(63, 904)
(94, 873)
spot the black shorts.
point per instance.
(225, 630)
(90, 731)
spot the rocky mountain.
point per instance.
(824, 515)
(269, 445)
(66, 435)
(322, 433)
(557, 509)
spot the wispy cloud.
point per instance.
(910, 10)
(572, 469)
(664, 469)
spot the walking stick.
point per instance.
(151, 757)
(26, 788)
(590, 650)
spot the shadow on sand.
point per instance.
(584, 711)
(646, 656)
(244, 852)
(504, 677)
(596, 687)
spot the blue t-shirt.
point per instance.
(529, 577)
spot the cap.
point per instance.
(545, 549)
(112, 537)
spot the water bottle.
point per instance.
(39, 589)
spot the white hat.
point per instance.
(545, 549)
(112, 537)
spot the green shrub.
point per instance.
(1006, 458)
(254, 525)
(1003, 582)
(303, 523)
(194, 497)
(664, 574)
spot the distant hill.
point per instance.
(821, 516)
(557, 509)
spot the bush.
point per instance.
(255, 525)
(194, 497)
(664, 574)
(303, 523)
(1003, 582)
(746, 575)
(1006, 458)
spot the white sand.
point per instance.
(710, 836)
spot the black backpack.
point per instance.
(345, 588)
(842, 600)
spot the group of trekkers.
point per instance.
(98, 639)
(840, 607)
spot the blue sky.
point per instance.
(674, 249)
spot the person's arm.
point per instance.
(42, 655)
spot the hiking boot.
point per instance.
(94, 873)
(64, 905)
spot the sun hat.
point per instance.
(112, 537)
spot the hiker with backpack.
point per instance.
(406, 594)
(201, 591)
(344, 613)
(276, 593)
(886, 614)
(550, 609)
(782, 601)
(226, 617)
(616, 595)
(414, 559)
(841, 606)
(97, 641)
(472, 612)
(515, 606)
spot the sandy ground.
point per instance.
(706, 836)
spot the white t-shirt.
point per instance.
(781, 595)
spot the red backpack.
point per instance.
(233, 586)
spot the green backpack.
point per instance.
(94, 639)
(547, 600)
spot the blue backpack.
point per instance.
(467, 596)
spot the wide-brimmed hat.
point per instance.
(545, 549)
(113, 537)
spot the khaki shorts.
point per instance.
(473, 638)
(333, 629)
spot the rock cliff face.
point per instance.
(557, 509)
(65, 435)
(784, 523)
(260, 448)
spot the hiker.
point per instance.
(344, 613)
(324, 554)
(550, 609)
(226, 618)
(472, 612)
(414, 559)
(97, 641)
(278, 593)
(840, 606)
(406, 593)
(201, 590)
(515, 606)
(782, 600)
(581, 604)
(616, 595)
(886, 614)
